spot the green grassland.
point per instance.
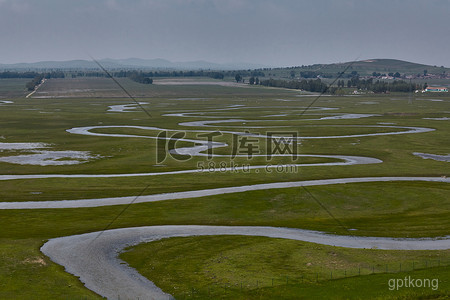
(13, 88)
(234, 267)
(397, 209)
(25, 273)
(408, 210)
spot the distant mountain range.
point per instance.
(130, 63)
(363, 67)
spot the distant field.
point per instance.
(13, 88)
(78, 87)
(106, 88)
(389, 209)
(162, 87)
(196, 81)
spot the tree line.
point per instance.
(9, 74)
(319, 86)
(199, 73)
(381, 86)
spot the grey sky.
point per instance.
(271, 32)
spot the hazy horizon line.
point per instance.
(214, 62)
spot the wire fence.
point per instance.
(222, 290)
(228, 290)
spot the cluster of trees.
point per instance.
(318, 86)
(254, 73)
(307, 85)
(89, 74)
(36, 81)
(382, 86)
(352, 74)
(253, 80)
(392, 74)
(217, 75)
(396, 86)
(139, 77)
(341, 83)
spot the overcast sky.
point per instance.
(270, 32)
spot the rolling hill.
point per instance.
(364, 67)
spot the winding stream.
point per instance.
(93, 256)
